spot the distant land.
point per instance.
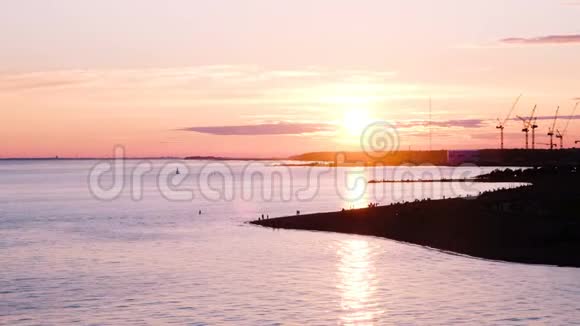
(200, 158)
(482, 157)
(83, 158)
(220, 158)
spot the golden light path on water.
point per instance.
(357, 283)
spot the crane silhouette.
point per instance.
(551, 130)
(529, 124)
(501, 124)
(560, 135)
(534, 127)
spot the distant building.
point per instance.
(463, 157)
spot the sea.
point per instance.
(156, 242)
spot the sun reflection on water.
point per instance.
(357, 283)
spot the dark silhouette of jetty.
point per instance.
(538, 223)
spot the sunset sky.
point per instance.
(273, 78)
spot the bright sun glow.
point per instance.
(355, 121)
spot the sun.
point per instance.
(355, 121)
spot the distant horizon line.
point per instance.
(252, 158)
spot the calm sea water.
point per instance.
(67, 257)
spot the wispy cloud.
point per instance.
(548, 39)
(560, 117)
(457, 123)
(41, 80)
(472, 123)
(493, 135)
(188, 77)
(279, 128)
(571, 3)
(295, 128)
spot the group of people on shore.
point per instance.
(262, 218)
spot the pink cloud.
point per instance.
(548, 39)
(280, 128)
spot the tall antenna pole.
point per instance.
(430, 129)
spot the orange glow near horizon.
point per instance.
(267, 86)
(146, 112)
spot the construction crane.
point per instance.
(534, 126)
(560, 135)
(551, 130)
(501, 124)
(527, 125)
(526, 128)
